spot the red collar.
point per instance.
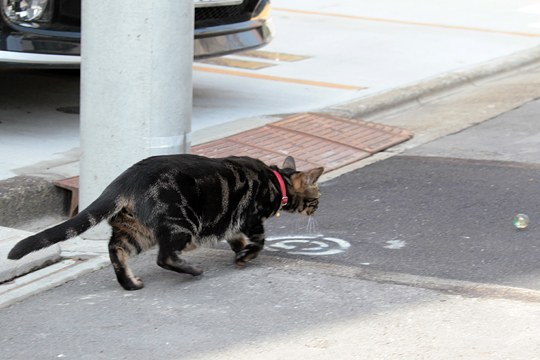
(284, 198)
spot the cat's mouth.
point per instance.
(310, 206)
(309, 211)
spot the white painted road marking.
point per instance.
(395, 244)
(318, 245)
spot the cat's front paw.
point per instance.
(240, 262)
(243, 256)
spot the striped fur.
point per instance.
(182, 201)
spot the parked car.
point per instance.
(47, 33)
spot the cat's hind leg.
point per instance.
(120, 247)
(171, 243)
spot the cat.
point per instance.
(181, 201)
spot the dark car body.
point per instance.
(54, 38)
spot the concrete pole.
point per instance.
(136, 86)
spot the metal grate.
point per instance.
(68, 12)
(223, 15)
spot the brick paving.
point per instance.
(312, 139)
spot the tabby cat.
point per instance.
(181, 201)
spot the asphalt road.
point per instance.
(444, 209)
(431, 216)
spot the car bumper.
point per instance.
(25, 50)
(256, 34)
(39, 60)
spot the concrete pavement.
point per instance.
(274, 309)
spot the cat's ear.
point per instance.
(313, 175)
(306, 178)
(289, 163)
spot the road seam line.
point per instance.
(448, 286)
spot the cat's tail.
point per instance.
(95, 213)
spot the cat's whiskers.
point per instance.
(311, 227)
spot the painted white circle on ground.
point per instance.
(318, 245)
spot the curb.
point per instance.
(48, 278)
(436, 86)
(10, 269)
(32, 197)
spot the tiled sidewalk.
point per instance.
(312, 139)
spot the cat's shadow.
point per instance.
(144, 265)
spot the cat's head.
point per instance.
(303, 188)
